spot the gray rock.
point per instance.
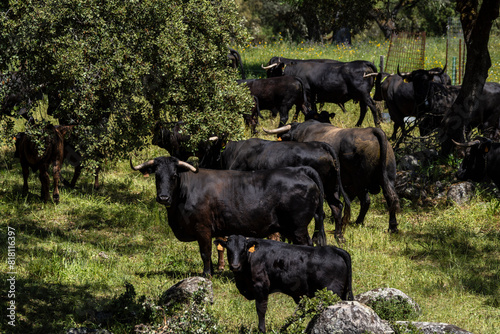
(348, 317)
(183, 290)
(434, 327)
(408, 162)
(390, 294)
(460, 193)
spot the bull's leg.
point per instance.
(336, 207)
(45, 181)
(26, 174)
(364, 206)
(76, 175)
(283, 116)
(362, 113)
(204, 242)
(319, 236)
(56, 171)
(220, 256)
(261, 306)
(392, 200)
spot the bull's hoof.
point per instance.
(393, 230)
(56, 199)
(339, 238)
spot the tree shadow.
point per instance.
(471, 259)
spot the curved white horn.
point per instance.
(283, 129)
(213, 138)
(468, 144)
(145, 164)
(269, 66)
(187, 166)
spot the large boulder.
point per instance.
(348, 317)
(460, 193)
(184, 290)
(397, 297)
(433, 327)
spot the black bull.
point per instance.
(204, 204)
(481, 161)
(259, 154)
(279, 94)
(455, 121)
(262, 267)
(367, 162)
(335, 83)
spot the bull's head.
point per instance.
(238, 249)
(275, 68)
(171, 137)
(473, 166)
(167, 170)
(422, 86)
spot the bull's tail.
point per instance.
(390, 194)
(347, 294)
(319, 236)
(306, 106)
(333, 153)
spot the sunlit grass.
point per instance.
(75, 257)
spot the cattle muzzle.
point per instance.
(164, 199)
(235, 267)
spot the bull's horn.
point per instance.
(283, 129)
(402, 74)
(213, 138)
(369, 75)
(438, 72)
(187, 166)
(269, 66)
(468, 144)
(141, 166)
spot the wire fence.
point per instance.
(406, 50)
(455, 51)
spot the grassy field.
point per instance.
(73, 260)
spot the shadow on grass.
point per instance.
(469, 258)
(43, 308)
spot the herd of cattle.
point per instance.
(250, 189)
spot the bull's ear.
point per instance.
(487, 147)
(252, 245)
(221, 244)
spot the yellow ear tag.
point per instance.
(220, 248)
(405, 80)
(251, 249)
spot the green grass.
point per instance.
(74, 259)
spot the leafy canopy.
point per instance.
(115, 67)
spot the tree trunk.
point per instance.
(476, 27)
(312, 22)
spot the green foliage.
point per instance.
(308, 308)
(114, 68)
(393, 309)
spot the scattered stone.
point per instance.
(408, 162)
(434, 327)
(460, 193)
(388, 294)
(183, 290)
(348, 317)
(103, 255)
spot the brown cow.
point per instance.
(53, 154)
